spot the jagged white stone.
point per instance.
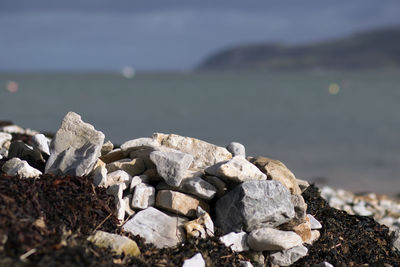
(15, 166)
(236, 241)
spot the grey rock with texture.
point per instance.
(156, 227)
(289, 256)
(100, 176)
(15, 166)
(139, 143)
(218, 184)
(254, 204)
(41, 143)
(171, 165)
(195, 186)
(75, 148)
(266, 239)
(117, 177)
(236, 149)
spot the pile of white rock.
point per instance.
(169, 187)
(382, 208)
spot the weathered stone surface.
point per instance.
(144, 154)
(41, 143)
(100, 176)
(131, 166)
(236, 241)
(303, 184)
(204, 154)
(143, 197)
(139, 143)
(264, 239)
(238, 169)
(279, 172)
(4, 138)
(15, 166)
(236, 149)
(117, 177)
(106, 148)
(179, 203)
(195, 186)
(218, 184)
(116, 243)
(156, 227)
(114, 155)
(315, 234)
(135, 181)
(254, 204)
(195, 261)
(19, 149)
(75, 148)
(202, 227)
(289, 256)
(315, 224)
(172, 165)
(300, 207)
(303, 230)
(213, 169)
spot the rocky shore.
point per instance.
(73, 199)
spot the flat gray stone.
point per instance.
(236, 241)
(195, 186)
(19, 149)
(254, 204)
(15, 166)
(41, 143)
(266, 239)
(171, 166)
(289, 256)
(156, 227)
(195, 261)
(143, 197)
(218, 184)
(236, 149)
(75, 148)
(315, 224)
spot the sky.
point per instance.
(153, 35)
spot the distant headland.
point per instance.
(379, 48)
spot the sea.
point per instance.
(340, 129)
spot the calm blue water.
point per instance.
(352, 138)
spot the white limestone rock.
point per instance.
(41, 143)
(289, 256)
(265, 239)
(75, 148)
(100, 176)
(143, 197)
(195, 261)
(128, 209)
(204, 154)
(121, 208)
(131, 166)
(238, 170)
(171, 165)
(315, 224)
(324, 264)
(156, 227)
(5, 138)
(117, 177)
(236, 241)
(116, 190)
(139, 143)
(236, 149)
(15, 166)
